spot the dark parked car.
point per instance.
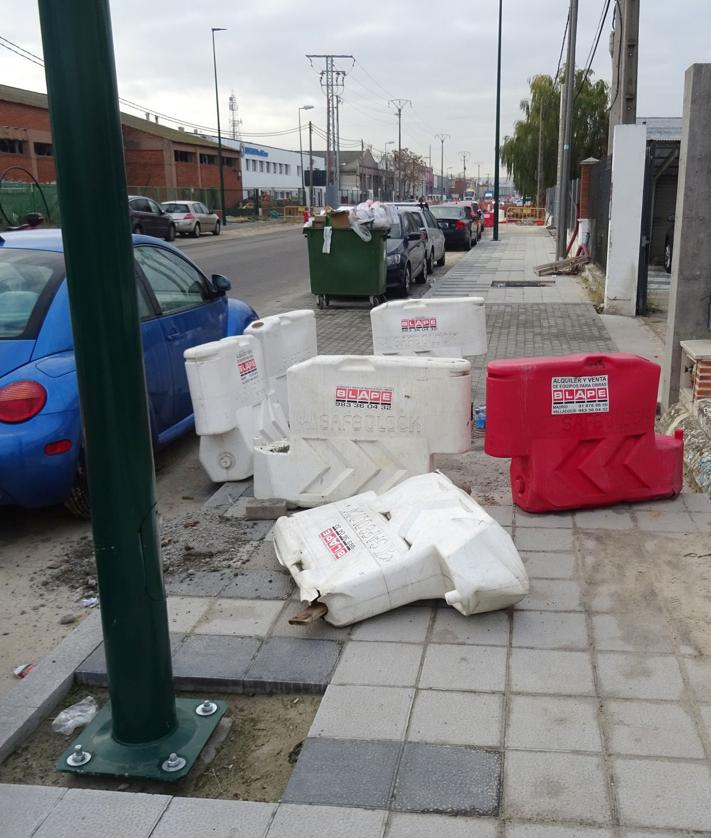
(149, 218)
(455, 224)
(669, 245)
(477, 216)
(405, 254)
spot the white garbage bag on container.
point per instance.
(423, 539)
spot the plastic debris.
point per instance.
(23, 669)
(78, 715)
(90, 601)
(424, 539)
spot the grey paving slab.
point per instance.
(459, 667)
(92, 670)
(662, 793)
(552, 595)
(627, 675)
(699, 673)
(387, 664)
(457, 718)
(227, 495)
(549, 630)
(356, 712)
(185, 611)
(702, 521)
(628, 632)
(24, 808)
(549, 565)
(243, 617)
(556, 787)
(342, 773)
(491, 629)
(448, 780)
(88, 813)
(553, 723)
(320, 630)
(558, 520)
(541, 830)
(259, 584)
(293, 664)
(294, 821)
(502, 514)
(408, 825)
(215, 660)
(404, 625)
(615, 518)
(666, 522)
(545, 539)
(551, 671)
(189, 817)
(696, 502)
(706, 718)
(645, 728)
(200, 583)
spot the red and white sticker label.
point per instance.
(364, 397)
(336, 541)
(584, 394)
(247, 367)
(419, 324)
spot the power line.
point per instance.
(594, 46)
(562, 47)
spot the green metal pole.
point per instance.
(497, 149)
(86, 134)
(220, 160)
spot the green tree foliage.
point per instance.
(519, 152)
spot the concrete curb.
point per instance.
(22, 709)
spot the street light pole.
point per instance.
(387, 191)
(219, 132)
(498, 129)
(442, 138)
(564, 184)
(301, 151)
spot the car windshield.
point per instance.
(176, 207)
(447, 212)
(28, 278)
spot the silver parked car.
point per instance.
(192, 218)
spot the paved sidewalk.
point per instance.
(585, 711)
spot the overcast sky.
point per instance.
(442, 56)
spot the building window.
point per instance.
(43, 149)
(208, 159)
(12, 146)
(261, 165)
(281, 169)
(229, 162)
(287, 168)
(298, 171)
(183, 156)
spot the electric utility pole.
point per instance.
(497, 142)
(624, 50)
(464, 155)
(442, 138)
(399, 104)
(332, 84)
(564, 183)
(311, 167)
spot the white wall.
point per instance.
(623, 243)
(266, 167)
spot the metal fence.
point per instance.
(600, 185)
(19, 199)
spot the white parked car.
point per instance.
(192, 218)
(434, 243)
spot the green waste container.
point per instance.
(353, 268)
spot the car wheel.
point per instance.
(216, 231)
(138, 230)
(468, 243)
(441, 260)
(667, 256)
(430, 266)
(406, 281)
(196, 230)
(78, 500)
(475, 240)
(170, 235)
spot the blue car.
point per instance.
(41, 459)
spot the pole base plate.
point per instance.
(112, 758)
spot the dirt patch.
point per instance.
(254, 762)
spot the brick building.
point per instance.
(162, 162)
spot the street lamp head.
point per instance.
(306, 108)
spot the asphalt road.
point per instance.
(269, 271)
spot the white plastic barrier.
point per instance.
(360, 423)
(231, 404)
(423, 539)
(238, 389)
(454, 327)
(286, 339)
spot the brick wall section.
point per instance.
(585, 174)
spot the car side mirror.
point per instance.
(413, 237)
(221, 284)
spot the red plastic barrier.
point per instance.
(580, 431)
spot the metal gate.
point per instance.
(599, 204)
(645, 233)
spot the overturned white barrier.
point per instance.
(360, 423)
(454, 327)
(423, 539)
(238, 390)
